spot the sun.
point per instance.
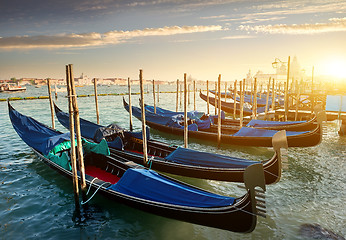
(336, 68)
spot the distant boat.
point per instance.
(61, 89)
(11, 87)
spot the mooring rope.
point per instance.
(94, 192)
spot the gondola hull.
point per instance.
(238, 216)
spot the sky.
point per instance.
(167, 38)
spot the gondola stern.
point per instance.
(254, 177)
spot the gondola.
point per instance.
(226, 106)
(245, 136)
(178, 160)
(233, 125)
(261, 99)
(142, 188)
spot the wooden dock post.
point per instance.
(154, 99)
(186, 127)
(78, 136)
(267, 100)
(96, 102)
(225, 91)
(286, 88)
(219, 112)
(241, 115)
(207, 96)
(158, 92)
(72, 139)
(312, 92)
(130, 104)
(188, 94)
(297, 101)
(176, 107)
(273, 95)
(194, 95)
(235, 100)
(144, 132)
(215, 102)
(254, 102)
(181, 94)
(51, 103)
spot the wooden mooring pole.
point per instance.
(215, 102)
(144, 132)
(186, 127)
(51, 103)
(96, 102)
(254, 102)
(235, 100)
(78, 136)
(219, 111)
(72, 139)
(225, 91)
(286, 88)
(158, 92)
(130, 104)
(194, 95)
(154, 99)
(273, 94)
(267, 101)
(207, 96)
(176, 107)
(241, 115)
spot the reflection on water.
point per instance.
(37, 203)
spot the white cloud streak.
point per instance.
(238, 37)
(96, 39)
(335, 25)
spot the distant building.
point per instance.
(280, 75)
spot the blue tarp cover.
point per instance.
(88, 128)
(36, 134)
(171, 121)
(149, 185)
(254, 132)
(264, 123)
(205, 159)
(168, 113)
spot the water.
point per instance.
(37, 203)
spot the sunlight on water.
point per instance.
(37, 203)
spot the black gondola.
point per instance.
(141, 188)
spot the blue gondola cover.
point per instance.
(149, 185)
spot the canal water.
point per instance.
(37, 203)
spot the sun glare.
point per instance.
(336, 68)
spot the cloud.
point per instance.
(335, 25)
(238, 37)
(96, 39)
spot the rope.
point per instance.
(150, 162)
(94, 192)
(271, 173)
(91, 184)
